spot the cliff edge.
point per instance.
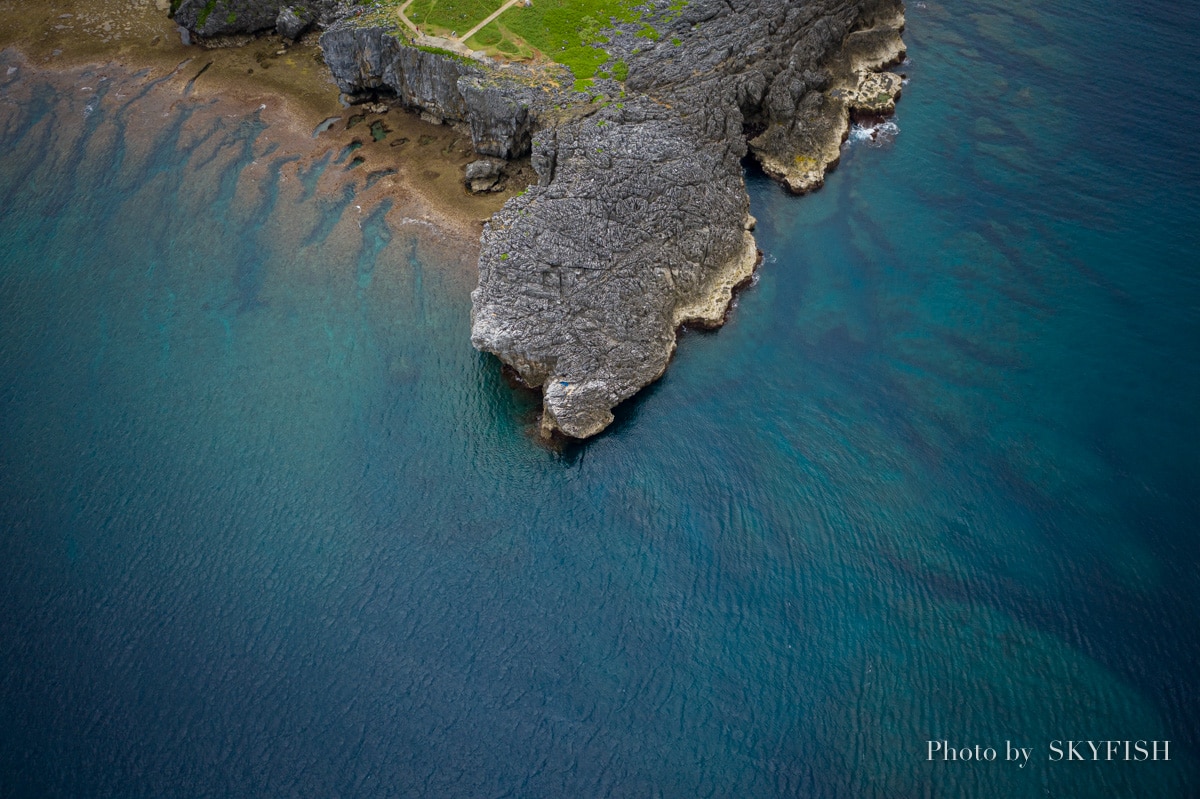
(639, 222)
(290, 18)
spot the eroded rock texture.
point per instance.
(502, 105)
(583, 281)
(290, 18)
(639, 220)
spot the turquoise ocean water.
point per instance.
(270, 527)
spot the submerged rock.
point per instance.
(639, 222)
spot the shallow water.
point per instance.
(272, 527)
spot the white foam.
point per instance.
(875, 134)
(408, 220)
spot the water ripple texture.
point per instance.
(270, 527)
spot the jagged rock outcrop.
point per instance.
(584, 281)
(209, 18)
(501, 105)
(639, 221)
(292, 21)
(808, 112)
(483, 175)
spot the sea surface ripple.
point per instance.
(270, 527)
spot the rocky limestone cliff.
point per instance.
(583, 281)
(502, 105)
(640, 220)
(290, 18)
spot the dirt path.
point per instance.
(486, 20)
(404, 17)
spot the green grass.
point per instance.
(498, 41)
(209, 7)
(441, 17)
(650, 33)
(570, 32)
(448, 53)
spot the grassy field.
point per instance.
(569, 32)
(442, 17)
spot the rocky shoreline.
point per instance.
(417, 166)
(638, 221)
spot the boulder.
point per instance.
(291, 23)
(483, 175)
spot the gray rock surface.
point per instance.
(208, 18)
(292, 21)
(639, 221)
(501, 106)
(483, 175)
(584, 281)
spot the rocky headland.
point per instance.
(639, 219)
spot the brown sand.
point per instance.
(292, 83)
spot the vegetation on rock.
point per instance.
(569, 32)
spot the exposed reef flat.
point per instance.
(639, 221)
(418, 165)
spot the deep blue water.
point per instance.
(270, 527)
